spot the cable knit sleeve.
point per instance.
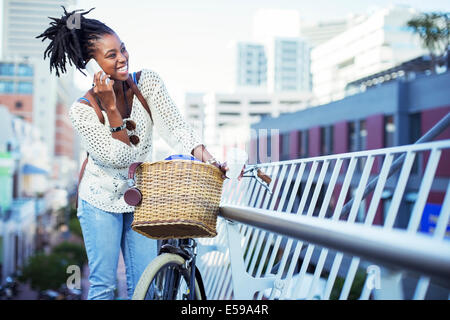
(168, 120)
(97, 140)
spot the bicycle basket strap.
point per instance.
(139, 95)
(132, 169)
(133, 195)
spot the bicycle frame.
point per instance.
(186, 248)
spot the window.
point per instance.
(346, 63)
(285, 143)
(259, 102)
(323, 141)
(290, 102)
(258, 114)
(229, 113)
(362, 135)
(229, 102)
(389, 131)
(25, 70)
(19, 105)
(6, 69)
(25, 87)
(299, 144)
(362, 143)
(303, 144)
(326, 140)
(6, 87)
(352, 144)
(415, 132)
(331, 139)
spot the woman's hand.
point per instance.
(104, 90)
(202, 154)
(223, 167)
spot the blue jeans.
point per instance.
(105, 233)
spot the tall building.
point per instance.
(51, 96)
(323, 31)
(289, 65)
(287, 54)
(23, 21)
(378, 42)
(251, 69)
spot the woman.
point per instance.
(124, 138)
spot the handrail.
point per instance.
(293, 243)
(394, 247)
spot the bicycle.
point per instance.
(169, 276)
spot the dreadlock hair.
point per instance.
(76, 44)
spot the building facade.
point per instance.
(372, 44)
(289, 67)
(28, 88)
(24, 175)
(22, 20)
(224, 119)
(16, 88)
(320, 32)
(251, 68)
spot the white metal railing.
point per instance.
(297, 244)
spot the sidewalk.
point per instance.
(26, 293)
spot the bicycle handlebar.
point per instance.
(259, 175)
(267, 179)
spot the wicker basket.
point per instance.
(180, 199)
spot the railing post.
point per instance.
(244, 285)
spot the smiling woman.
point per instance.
(116, 131)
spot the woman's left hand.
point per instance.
(223, 167)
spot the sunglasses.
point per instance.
(131, 125)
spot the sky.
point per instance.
(189, 43)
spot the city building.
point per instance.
(320, 32)
(28, 88)
(224, 119)
(22, 21)
(287, 54)
(396, 112)
(251, 68)
(371, 44)
(16, 88)
(24, 171)
(281, 64)
(289, 65)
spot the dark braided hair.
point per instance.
(77, 45)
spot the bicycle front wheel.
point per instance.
(165, 279)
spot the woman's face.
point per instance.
(112, 56)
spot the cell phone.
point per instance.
(92, 67)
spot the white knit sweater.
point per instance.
(104, 180)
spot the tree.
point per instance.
(50, 271)
(45, 271)
(433, 30)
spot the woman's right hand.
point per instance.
(104, 90)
